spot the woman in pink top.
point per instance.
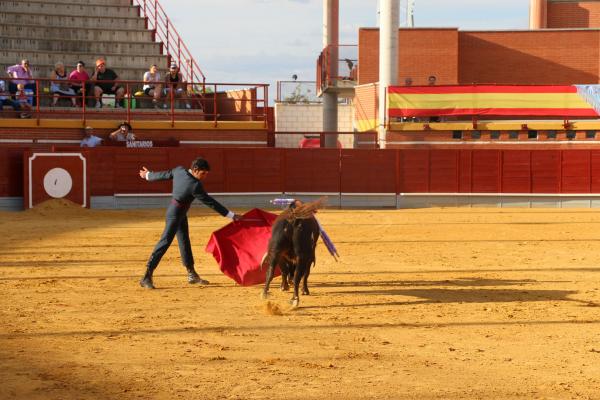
(79, 78)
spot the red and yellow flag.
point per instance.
(492, 100)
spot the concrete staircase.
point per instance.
(46, 32)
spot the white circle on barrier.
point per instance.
(58, 182)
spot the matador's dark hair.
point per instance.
(201, 164)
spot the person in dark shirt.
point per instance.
(187, 186)
(105, 82)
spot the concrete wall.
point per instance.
(309, 118)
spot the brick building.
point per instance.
(564, 51)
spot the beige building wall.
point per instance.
(309, 118)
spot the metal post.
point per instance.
(266, 105)
(155, 16)
(37, 100)
(83, 101)
(330, 44)
(388, 58)
(215, 103)
(167, 35)
(178, 50)
(128, 102)
(190, 64)
(173, 89)
(278, 98)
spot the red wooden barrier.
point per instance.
(444, 171)
(575, 176)
(546, 172)
(516, 171)
(311, 170)
(250, 170)
(413, 170)
(367, 171)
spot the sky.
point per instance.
(263, 41)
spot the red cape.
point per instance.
(239, 247)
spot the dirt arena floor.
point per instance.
(424, 304)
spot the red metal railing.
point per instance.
(336, 64)
(216, 102)
(172, 44)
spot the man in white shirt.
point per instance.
(89, 139)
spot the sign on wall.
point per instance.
(55, 176)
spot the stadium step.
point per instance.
(95, 2)
(68, 9)
(78, 46)
(12, 57)
(58, 33)
(58, 20)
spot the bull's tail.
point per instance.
(266, 259)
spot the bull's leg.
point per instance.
(305, 281)
(269, 277)
(285, 276)
(291, 272)
(298, 275)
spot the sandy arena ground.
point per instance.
(424, 304)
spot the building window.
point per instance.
(495, 135)
(533, 135)
(514, 135)
(571, 135)
(476, 135)
(551, 135)
(590, 134)
(457, 135)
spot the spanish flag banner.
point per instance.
(491, 100)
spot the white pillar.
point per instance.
(330, 41)
(538, 14)
(389, 21)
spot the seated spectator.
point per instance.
(5, 98)
(79, 79)
(106, 83)
(89, 139)
(23, 100)
(153, 84)
(431, 81)
(174, 83)
(59, 86)
(23, 79)
(122, 134)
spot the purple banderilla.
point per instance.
(328, 243)
(326, 239)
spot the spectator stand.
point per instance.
(214, 103)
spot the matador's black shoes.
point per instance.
(147, 283)
(194, 278)
(192, 275)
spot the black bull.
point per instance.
(292, 248)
